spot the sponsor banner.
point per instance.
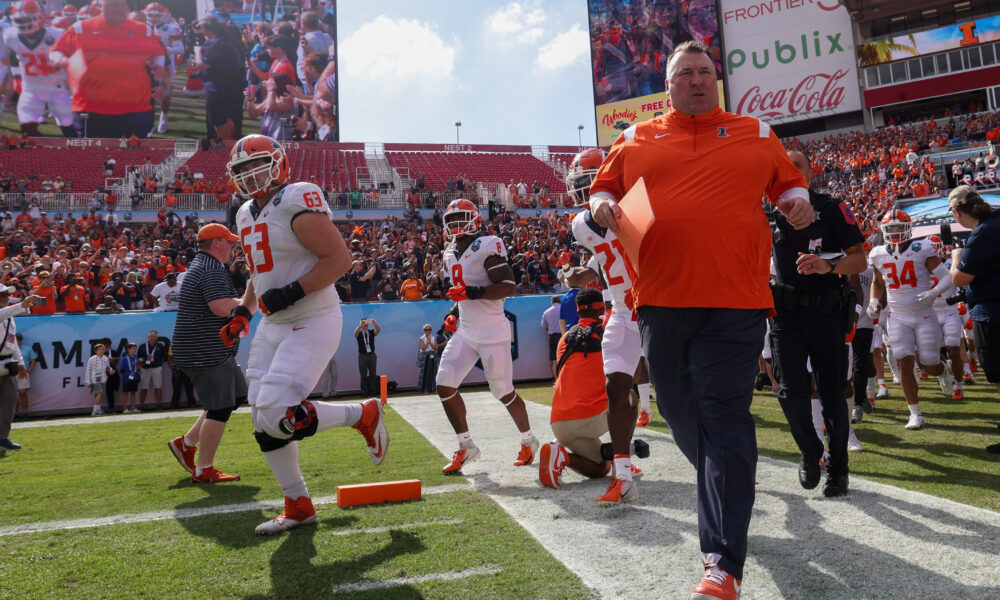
(63, 344)
(968, 33)
(630, 42)
(789, 59)
(614, 118)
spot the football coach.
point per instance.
(208, 297)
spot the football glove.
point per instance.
(451, 323)
(873, 308)
(278, 299)
(927, 298)
(236, 327)
(459, 293)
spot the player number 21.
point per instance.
(605, 249)
(251, 243)
(907, 276)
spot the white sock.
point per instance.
(817, 415)
(526, 437)
(199, 470)
(881, 382)
(623, 467)
(958, 385)
(284, 463)
(870, 387)
(330, 415)
(966, 368)
(188, 442)
(914, 408)
(465, 440)
(644, 396)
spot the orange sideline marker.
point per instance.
(384, 388)
(376, 493)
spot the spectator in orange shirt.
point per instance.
(170, 200)
(117, 75)
(46, 290)
(75, 295)
(413, 286)
(702, 304)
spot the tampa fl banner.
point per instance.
(63, 344)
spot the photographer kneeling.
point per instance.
(977, 267)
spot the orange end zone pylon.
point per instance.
(376, 493)
(384, 388)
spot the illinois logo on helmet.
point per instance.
(28, 17)
(581, 174)
(461, 218)
(156, 13)
(257, 165)
(896, 227)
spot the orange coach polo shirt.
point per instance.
(113, 79)
(710, 244)
(579, 390)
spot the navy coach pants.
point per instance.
(702, 362)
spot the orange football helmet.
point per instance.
(253, 156)
(581, 174)
(461, 218)
(896, 227)
(156, 13)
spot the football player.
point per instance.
(903, 268)
(951, 326)
(295, 254)
(481, 278)
(620, 346)
(44, 88)
(172, 38)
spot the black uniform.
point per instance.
(811, 324)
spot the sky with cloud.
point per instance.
(511, 72)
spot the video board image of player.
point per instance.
(632, 39)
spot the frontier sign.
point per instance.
(789, 60)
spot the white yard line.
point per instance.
(365, 586)
(187, 513)
(878, 542)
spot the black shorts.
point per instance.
(221, 107)
(987, 336)
(130, 386)
(554, 344)
(219, 387)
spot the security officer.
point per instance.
(812, 315)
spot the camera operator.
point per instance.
(977, 267)
(814, 311)
(11, 363)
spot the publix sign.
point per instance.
(789, 59)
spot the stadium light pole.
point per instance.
(579, 136)
(458, 125)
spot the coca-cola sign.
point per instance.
(816, 92)
(790, 64)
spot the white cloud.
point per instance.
(516, 22)
(565, 49)
(392, 51)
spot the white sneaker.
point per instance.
(162, 128)
(883, 392)
(97, 411)
(915, 422)
(895, 379)
(853, 443)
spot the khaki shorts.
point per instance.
(151, 378)
(583, 436)
(23, 384)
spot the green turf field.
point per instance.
(946, 458)
(187, 116)
(92, 470)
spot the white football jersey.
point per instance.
(37, 75)
(615, 266)
(905, 276)
(171, 37)
(483, 320)
(274, 253)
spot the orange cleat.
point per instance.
(527, 454)
(636, 471)
(552, 459)
(459, 458)
(619, 492)
(183, 453)
(717, 585)
(213, 475)
(643, 420)
(957, 394)
(297, 512)
(372, 427)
